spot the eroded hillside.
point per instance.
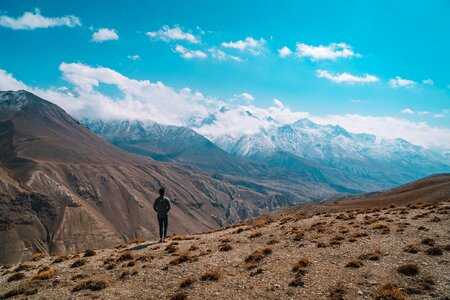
(398, 252)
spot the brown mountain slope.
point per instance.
(384, 253)
(64, 189)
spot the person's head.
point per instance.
(162, 191)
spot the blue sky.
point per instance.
(382, 60)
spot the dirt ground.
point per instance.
(358, 254)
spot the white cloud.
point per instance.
(188, 54)
(331, 52)
(428, 82)
(408, 111)
(251, 45)
(423, 113)
(30, 21)
(134, 57)
(440, 116)
(105, 34)
(278, 103)
(168, 34)
(247, 97)
(142, 99)
(398, 82)
(283, 52)
(346, 77)
(8, 82)
(419, 133)
(222, 56)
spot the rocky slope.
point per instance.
(64, 189)
(371, 251)
(357, 159)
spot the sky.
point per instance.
(379, 67)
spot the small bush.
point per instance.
(45, 274)
(89, 252)
(354, 264)
(258, 255)
(37, 256)
(428, 241)
(181, 259)
(210, 276)
(179, 296)
(93, 285)
(254, 234)
(338, 292)
(187, 282)
(379, 226)
(182, 237)
(225, 247)
(412, 248)
(301, 263)
(434, 251)
(225, 240)
(125, 256)
(171, 248)
(372, 255)
(16, 277)
(78, 263)
(193, 248)
(408, 269)
(297, 282)
(58, 260)
(390, 292)
(131, 263)
(256, 272)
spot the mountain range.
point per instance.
(67, 185)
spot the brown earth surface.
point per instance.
(365, 253)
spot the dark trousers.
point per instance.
(163, 221)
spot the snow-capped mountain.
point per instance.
(358, 156)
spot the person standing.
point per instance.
(162, 206)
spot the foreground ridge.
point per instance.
(398, 252)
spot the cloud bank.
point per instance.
(142, 99)
(30, 21)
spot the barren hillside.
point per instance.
(394, 252)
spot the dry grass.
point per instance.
(37, 256)
(428, 241)
(89, 252)
(411, 248)
(225, 247)
(254, 234)
(125, 256)
(212, 275)
(171, 248)
(78, 263)
(93, 285)
(434, 251)
(258, 255)
(338, 291)
(301, 263)
(379, 226)
(374, 254)
(354, 264)
(297, 282)
(390, 292)
(181, 259)
(59, 259)
(187, 282)
(182, 237)
(45, 274)
(16, 277)
(410, 269)
(179, 296)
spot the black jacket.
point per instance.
(161, 205)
